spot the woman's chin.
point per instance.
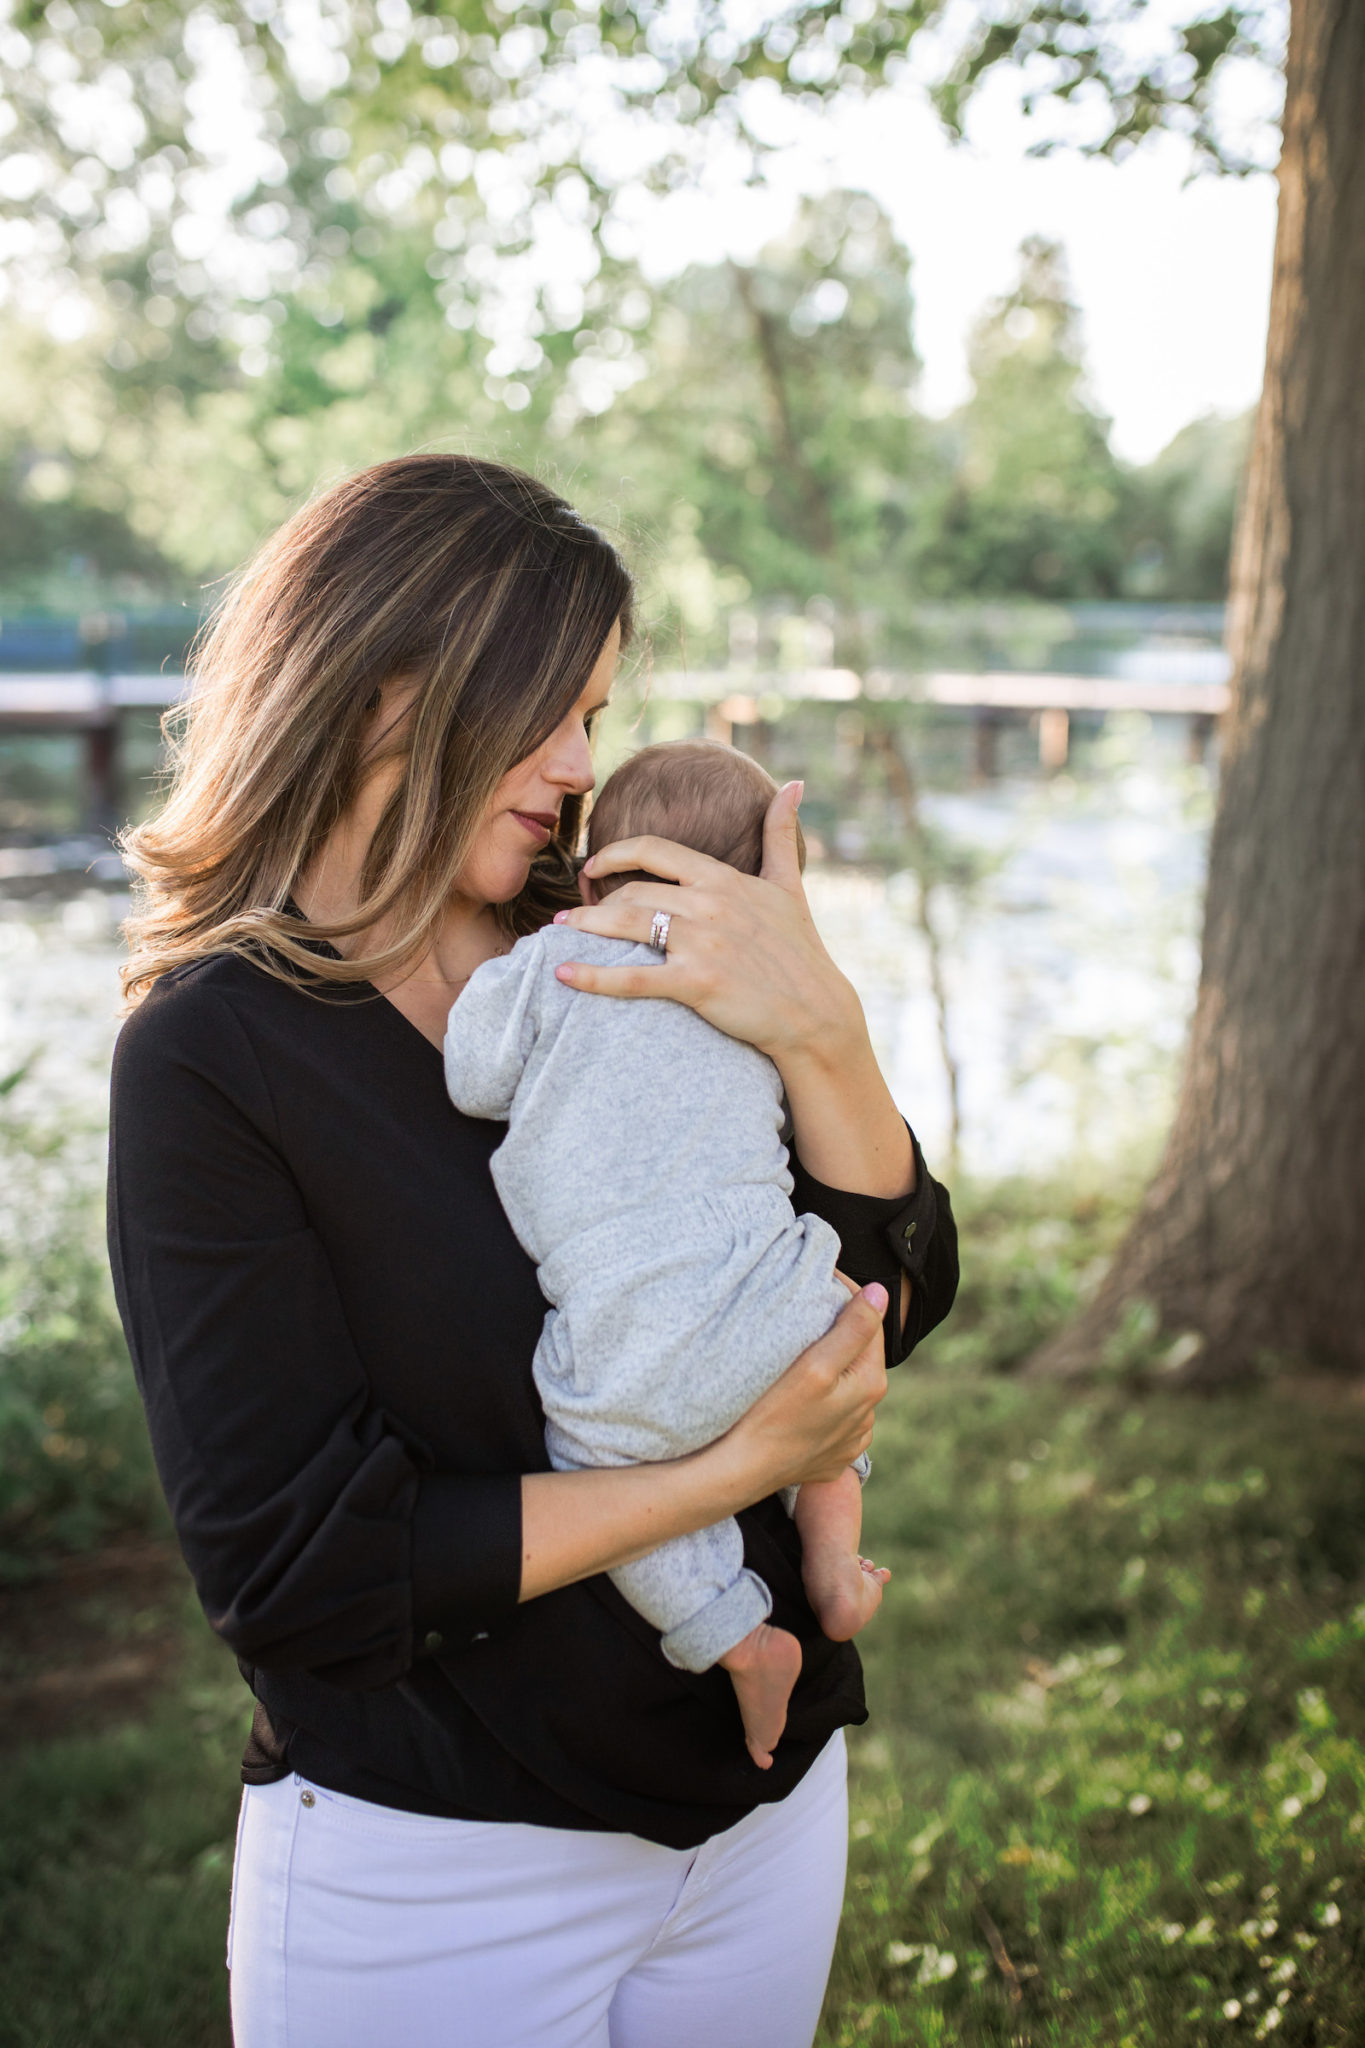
(496, 884)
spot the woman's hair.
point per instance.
(697, 792)
(475, 588)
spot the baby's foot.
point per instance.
(844, 1589)
(763, 1669)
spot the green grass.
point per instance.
(1118, 1692)
(115, 1867)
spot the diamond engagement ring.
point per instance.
(658, 931)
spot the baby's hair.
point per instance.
(701, 794)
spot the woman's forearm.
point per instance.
(575, 1524)
(849, 1132)
(810, 1424)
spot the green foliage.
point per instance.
(800, 465)
(1117, 1735)
(74, 1459)
(1118, 1694)
(1036, 493)
(115, 1864)
(1034, 1252)
(1074, 52)
(1181, 509)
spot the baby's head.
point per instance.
(695, 792)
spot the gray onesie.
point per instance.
(644, 1172)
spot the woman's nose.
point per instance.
(569, 763)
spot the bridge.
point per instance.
(93, 704)
(735, 698)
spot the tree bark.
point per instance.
(1252, 1236)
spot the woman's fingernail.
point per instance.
(561, 917)
(564, 974)
(876, 1296)
(800, 792)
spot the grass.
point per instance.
(1112, 1789)
(115, 1866)
(1111, 1795)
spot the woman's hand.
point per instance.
(743, 952)
(814, 1421)
(810, 1424)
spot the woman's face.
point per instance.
(524, 810)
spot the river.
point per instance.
(1069, 963)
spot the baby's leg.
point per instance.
(763, 1669)
(711, 1610)
(844, 1589)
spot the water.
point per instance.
(1070, 965)
(1070, 969)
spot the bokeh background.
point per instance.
(919, 395)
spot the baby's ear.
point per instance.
(586, 890)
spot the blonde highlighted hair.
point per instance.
(475, 587)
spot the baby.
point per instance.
(644, 1171)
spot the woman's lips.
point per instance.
(540, 824)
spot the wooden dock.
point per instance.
(94, 704)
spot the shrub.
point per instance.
(75, 1464)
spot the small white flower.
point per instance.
(1232, 2008)
(1329, 1915)
(1172, 1931)
(1139, 1803)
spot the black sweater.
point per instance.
(332, 1326)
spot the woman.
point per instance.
(480, 1807)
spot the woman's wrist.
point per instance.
(848, 1130)
(823, 1027)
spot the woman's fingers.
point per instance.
(663, 857)
(781, 848)
(643, 981)
(627, 913)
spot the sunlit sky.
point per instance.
(1171, 272)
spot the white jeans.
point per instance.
(355, 1926)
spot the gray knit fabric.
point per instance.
(644, 1172)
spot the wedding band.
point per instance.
(658, 931)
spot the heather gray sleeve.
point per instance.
(491, 1030)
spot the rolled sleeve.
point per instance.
(466, 1554)
(883, 1237)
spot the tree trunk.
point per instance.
(1252, 1236)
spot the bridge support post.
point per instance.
(985, 733)
(1054, 740)
(102, 778)
(1198, 734)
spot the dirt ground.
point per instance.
(89, 1643)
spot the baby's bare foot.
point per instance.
(844, 1589)
(763, 1669)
